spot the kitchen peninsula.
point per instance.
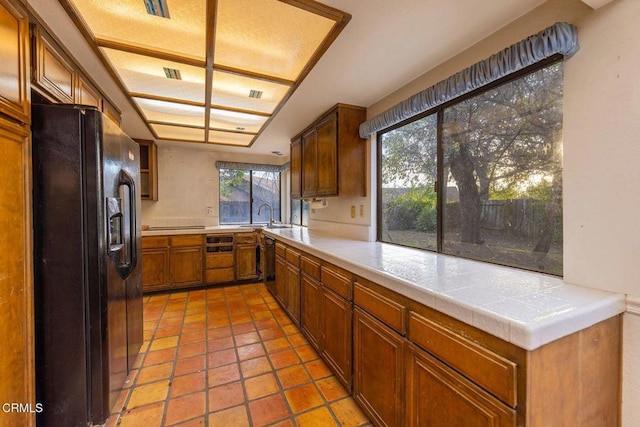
(500, 343)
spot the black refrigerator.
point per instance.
(87, 262)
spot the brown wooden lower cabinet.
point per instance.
(293, 293)
(378, 369)
(155, 268)
(445, 372)
(281, 281)
(337, 335)
(186, 266)
(170, 262)
(311, 310)
(436, 395)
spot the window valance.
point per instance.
(252, 166)
(560, 38)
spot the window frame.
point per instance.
(251, 171)
(440, 183)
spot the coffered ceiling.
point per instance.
(212, 71)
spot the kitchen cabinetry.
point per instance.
(287, 287)
(281, 278)
(155, 263)
(328, 157)
(185, 260)
(171, 262)
(452, 399)
(56, 78)
(53, 75)
(246, 260)
(16, 280)
(148, 169)
(87, 94)
(220, 259)
(378, 369)
(413, 365)
(14, 51)
(295, 170)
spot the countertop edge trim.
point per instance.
(633, 305)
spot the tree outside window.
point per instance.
(500, 175)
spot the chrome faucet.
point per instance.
(270, 212)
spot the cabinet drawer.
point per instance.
(188, 240)
(219, 275)
(218, 260)
(280, 249)
(390, 312)
(216, 239)
(293, 257)
(155, 242)
(310, 267)
(245, 238)
(487, 369)
(336, 282)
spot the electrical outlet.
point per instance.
(209, 210)
(361, 211)
(353, 211)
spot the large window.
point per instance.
(242, 192)
(481, 176)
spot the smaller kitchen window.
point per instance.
(249, 196)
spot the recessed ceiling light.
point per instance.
(255, 94)
(172, 73)
(157, 8)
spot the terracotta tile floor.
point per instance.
(228, 357)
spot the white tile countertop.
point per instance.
(525, 308)
(179, 230)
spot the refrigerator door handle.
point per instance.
(132, 254)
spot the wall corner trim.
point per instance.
(633, 305)
(596, 4)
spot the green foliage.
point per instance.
(413, 210)
(230, 179)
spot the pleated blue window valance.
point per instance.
(560, 38)
(252, 166)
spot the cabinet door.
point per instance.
(296, 169)
(378, 370)
(337, 335)
(438, 396)
(311, 310)
(281, 281)
(309, 164)
(16, 280)
(293, 293)
(14, 86)
(148, 169)
(155, 263)
(246, 262)
(86, 94)
(53, 75)
(186, 266)
(327, 156)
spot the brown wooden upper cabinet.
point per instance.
(148, 169)
(328, 158)
(14, 94)
(53, 76)
(87, 94)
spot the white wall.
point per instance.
(601, 139)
